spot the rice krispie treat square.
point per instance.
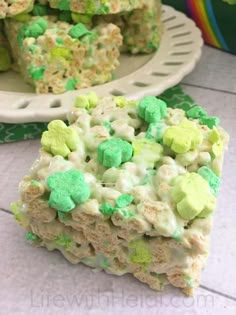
(56, 56)
(139, 21)
(127, 187)
(93, 7)
(141, 28)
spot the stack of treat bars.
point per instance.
(63, 45)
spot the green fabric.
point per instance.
(175, 98)
(18, 132)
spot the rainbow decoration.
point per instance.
(203, 14)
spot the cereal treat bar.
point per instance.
(56, 56)
(141, 28)
(127, 187)
(93, 7)
(10, 8)
(5, 58)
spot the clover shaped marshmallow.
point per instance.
(36, 28)
(216, 141)
(146, 152)
(59, 139)
(68, 189)
(183, 138)
(152, 109)
(113, 152)
(193, 196)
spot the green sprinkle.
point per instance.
(59, 41)
(188, 280)
(32, 48)
(78, 31)
(212, 179)
(105, 263)
(62, 215)
(147, 178)
(31, 237)
(177, 234)
(107, 209)
(64, 241)
(209, 121)
(127, 214)
(155, 131)
(34, 182)
(196, 112)
(71, 84)
(36, 73)
(141, 254)
(124, 200)
(107, 124)
(64, 5)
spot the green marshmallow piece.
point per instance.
(36, 28)
(217, 143)
(78, 31)
(107, 124)
(107, 209)
(193, 197)
(31, 237)
(68, 189)
(212, 179)
(155, 131)
(36, 73)
(59, 139)
(141, 253)
(64, 241)
(5, 59)
(210, 122)
(183, 138)
(126, 213)
(88, 101)
(64, 5)
(196, 112)
(114, 152)
(124, 200)
(71, 84)
(152, 109)
(146, 151)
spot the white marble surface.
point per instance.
(33, 281)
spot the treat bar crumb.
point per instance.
(127, 187)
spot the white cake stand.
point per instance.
(136, 77)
